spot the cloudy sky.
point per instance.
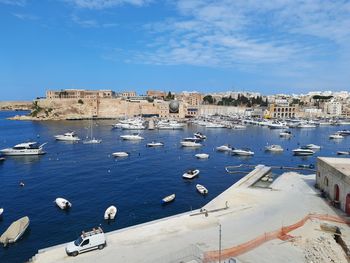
(271, 46)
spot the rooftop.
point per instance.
(340, 164)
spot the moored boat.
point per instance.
(131, 137)
(313, 146)
(120, 154)
(343, 152)
(168, 199)
(224, 148)
(1, 211)
(202, 155)
(27, 148)
(286, 134)
(201, 189)
(336, 136)
(15, 231)
(200, 136)
(68, 136)
(274, 148)
(155, 144)
(190, 174)
(110, 213)
(303, 151)
(62, 203)
(242, 152)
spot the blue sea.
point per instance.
(92, 180)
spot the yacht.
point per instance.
(27, 148)
(277, 125)
(224, 148)
(344, 132)
(68, 136)
(200, 136)
(313, 146)
(336, 136)
(242, 152)
(170, 125)
(129, 126)
(274, 148)
(131, 137)
(286, 134)
(303, 151)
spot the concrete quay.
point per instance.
(242, 211)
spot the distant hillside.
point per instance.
(16, 105)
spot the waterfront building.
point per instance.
(156, 94)
(333, 179)
(333, 108)
(281, 110)
(79, 94)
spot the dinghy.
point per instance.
(168, 199)
(63, 203)
(201, 189)
(343, 153)
(190, 174)
(224, 148)
(110, 212)
(155, 144)
(120, 154)
(15, 231)
(202, 155)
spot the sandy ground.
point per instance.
(252, 212)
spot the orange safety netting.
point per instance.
(281, 233)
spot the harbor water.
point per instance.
(91, 179)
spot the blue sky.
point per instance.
(270, 46)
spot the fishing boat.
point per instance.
(303, 151)
(27, 148)
(286, 134)
(92, 139)
(202, 155)
(242, 152)
(336, 136)
(168, 199)
(274, 148)
(155, 144)
(15, 231)
(131, 137)
(110, 213)
(313, 146)
(343, 153)
(120, 154)
(190, 174)
(201, 189)
(68, 136)
(63, 203)
(224, 148)
(200, 136)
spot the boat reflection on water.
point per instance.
(29, 159)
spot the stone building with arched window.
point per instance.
(333, 178)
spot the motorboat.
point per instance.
(1, 211)
(344, 132)
(242, 152)
(336, 136)
(155, 144)
(2, 159)
(190, 174)
(68, 136)
(239, 127)
(303, 151)
(110, 213)
(313, 146)
(277, 125)
(306, 125)
(343, 152)
(168, 199)
(131, 137)
(15, 231)
(170, 125)
(190, 142)
(274, 148)
(307, 166)
(129, 126)
(201, 189)
(214, 125)
(200, 136)
(27, 148)
(224, 148)
(62, 203)
(202, 155)
(286, 134)
(120, 154)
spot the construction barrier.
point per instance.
(282, 233)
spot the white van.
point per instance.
(87, 241)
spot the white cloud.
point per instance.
(84, 22)
(14, 2)
(102, 4)
(25, 16)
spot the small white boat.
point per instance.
(131, 137)
(120, 154)
(336, 136)
(239, 127)
(63, 203)
(2, 159)
(343, 153)
(15, 231)
(200, 136)
(27, 148)
(168, 199)
(92, 141)
(202, 155)
(242, 152)
(155, 144)
(190, 174)
(285, 134)
(344, 132)
(190, 144)
(313, 146)
(68, 136)
(1, 211)
(110, 213)
(274, 148)
(302, 151)
(224, 148)
(306, 125)
(201, 189)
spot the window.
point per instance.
(85, 242)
